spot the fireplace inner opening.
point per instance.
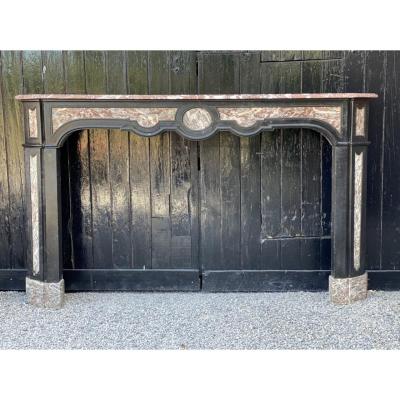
(225, 203)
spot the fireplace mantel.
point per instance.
(340, 117)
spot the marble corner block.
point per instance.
(348, 290)
(45, 294)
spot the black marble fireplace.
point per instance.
(51, 119)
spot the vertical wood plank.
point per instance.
(120, 199)
(74, 62)
(250, 72)
(101, 198)
(160, 200)
(183, 78)
(282, 77)
(312, 72)
(353, 71)
(180, 201)
(194, 204)
(32, 71)
(137, 64)
(99, 151)
(230, 200)
(5, 245)
(290, 174)
(159, 82)
(139, 161)
(311, 184)
(159, 72)
(116, 72)
(95, 72)
(291, 183)
(375, 80)
(250, 198)
(210, 203)
(326, 187)
(311, 254)
(119, 169)
(229, 82)
(270, 77)
(332, 76)
(80, 224)
(53, 72)
(12, 85)
(210, 213)
(140, 201)
(250, 189)
(220, 73)
(391, 174)
(271, 143)
(184, 178)
(291, 253)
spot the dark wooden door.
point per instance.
(265, 211)
(166, 213)
(130, 212)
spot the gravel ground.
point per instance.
(201, 321)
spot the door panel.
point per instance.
(179, 210)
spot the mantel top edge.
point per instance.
(287, 96)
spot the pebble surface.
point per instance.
(297, 320)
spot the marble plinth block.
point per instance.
(45, 294)
(348, 290)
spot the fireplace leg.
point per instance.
(45, 294)
(348, 282)
(44, 282)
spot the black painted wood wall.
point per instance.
(225, 203)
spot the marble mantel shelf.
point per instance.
(287, 96)
(49, 119)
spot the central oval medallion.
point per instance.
(197, 119)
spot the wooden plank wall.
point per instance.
(202, 201)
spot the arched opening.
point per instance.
(227, 204)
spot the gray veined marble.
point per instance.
(197, 119)
(45, 294)
(33, 172)
(348, 290)
(358, 183)
(360, 120)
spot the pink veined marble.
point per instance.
(146, 117)
(360, 120)
(314, 96)
(33, 129)
(248, 116)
